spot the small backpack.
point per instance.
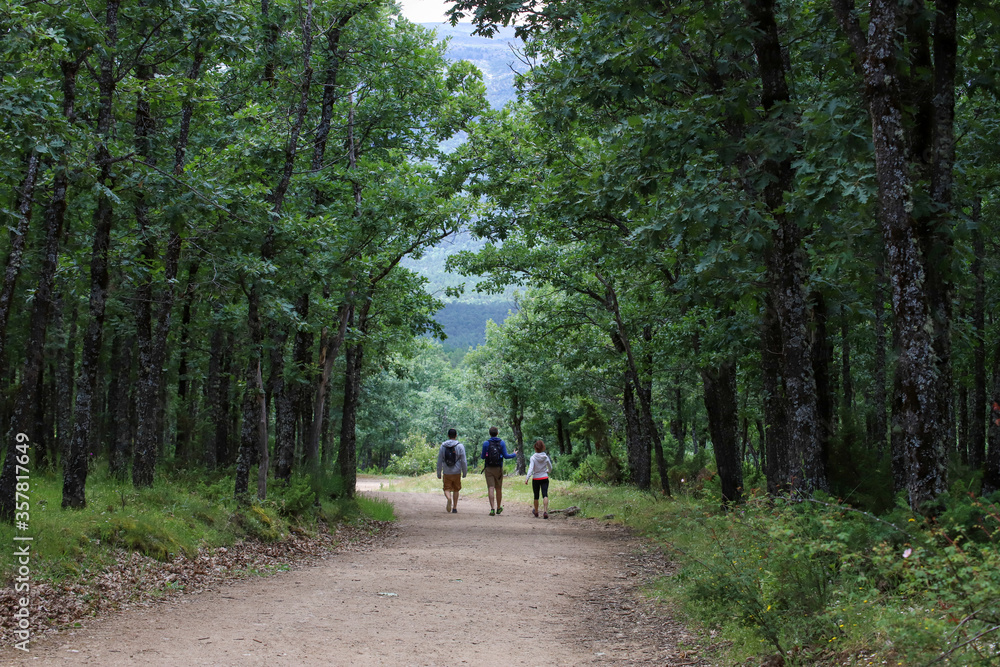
(450, 455)
(494, 453)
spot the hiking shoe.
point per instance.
(493, 512)
(535, 512)
(454, 510)
(447, 508)
(499, 509)
(545, 515)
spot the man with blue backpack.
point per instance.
(494, 453)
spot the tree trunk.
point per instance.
(991, 475)
(722, 403)
(847, 380)
(22, 419)
(75, 465)
(786, 263)
(277, 197)
(777, 466)
(230, 424)
(639, 460)
(980, 404)
(822, 351)
(271, 30)
(218, 403)
(302, 358)
(186, 414)
(917, 261)
(253, 433)
(963, 423)
(655, 441)
(23, 206)
(560, 442)
(677, 427)
(284, 433)
(879, 423)
(516, 422)
(327, 356)
(45, 418)
(65, 373)
(120, 393)
(346, 459)
(635, 440)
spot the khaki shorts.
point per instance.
(452, 482)
(494, 477)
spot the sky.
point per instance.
(425, 11)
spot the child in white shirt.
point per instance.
(538, 472)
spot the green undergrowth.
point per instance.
(179, 514)
(815, 582)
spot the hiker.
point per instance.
(494, 453)
(451, 461)
(539, 468)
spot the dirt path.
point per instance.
(446, 589)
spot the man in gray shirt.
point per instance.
(451, 462)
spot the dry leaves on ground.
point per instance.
(626, 627)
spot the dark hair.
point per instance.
(452, 433)
(493, 431)
(539, 446)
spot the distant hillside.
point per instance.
(464, 320)
(465, 323)
(432, 267)
(493, 57)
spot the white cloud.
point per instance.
(425, 11)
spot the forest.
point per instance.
(752, 243)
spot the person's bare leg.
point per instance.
(447, 497)
(492, 496)
(454, 505)
(545, 504)
(499, 496)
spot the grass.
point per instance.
(177, 515)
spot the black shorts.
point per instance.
(540, 485)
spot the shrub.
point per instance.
(295, 498)
(418, 459)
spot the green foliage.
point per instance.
(295, 498)
(821, 583)
(326, 485)
(691, 475)
(176, 516)
(593, 469)
(802, 576)
(951, 572)
(418, 459)
(857, 472)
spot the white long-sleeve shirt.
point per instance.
(539, 466)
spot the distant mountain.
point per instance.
(464, 319)
(432, 267)
(465, 323)
(494, 57)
